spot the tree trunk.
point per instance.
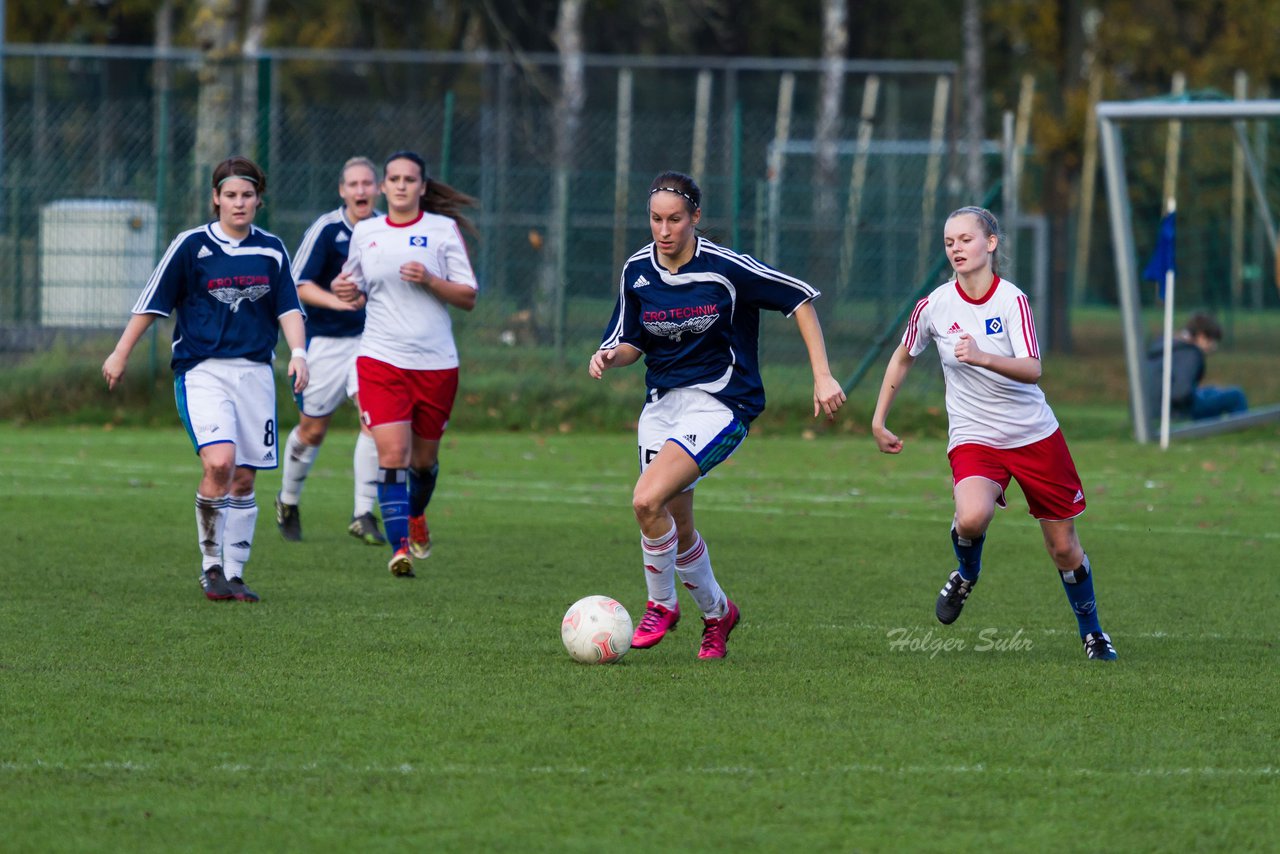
(550, 306)
(826, 216)
(215, 31)
(975, 106)
(1061, 176)
(248, 143)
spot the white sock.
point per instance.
(298, 458)
(694, 569)
(365, 462)
(242, 516)
(659, 567)
(211, 521)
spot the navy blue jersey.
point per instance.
(319, 260)
(700, 327)
(229, 295)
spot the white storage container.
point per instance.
(95, 257)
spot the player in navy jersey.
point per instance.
(1000, 425)
(230, 285)
(411, 266)
(333, 337)
(692, 308)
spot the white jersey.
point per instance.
(983, 406)
(406, 325)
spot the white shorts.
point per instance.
(231, 400)
(331, 366)
(705, 428)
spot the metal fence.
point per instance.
(100, 169)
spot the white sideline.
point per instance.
(456, 769)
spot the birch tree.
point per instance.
(549, 309)
(214, 28)
(835, 41)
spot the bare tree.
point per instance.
(975, 105)
(835, 41)
(254, 32)
(215, 31)
(549, 309)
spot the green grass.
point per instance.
(352, 711)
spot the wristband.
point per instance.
(299, 353)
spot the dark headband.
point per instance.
(678, 192)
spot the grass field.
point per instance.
(352, 711)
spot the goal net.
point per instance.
(1214, 157)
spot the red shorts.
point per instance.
(1043, 469)
(391, 395)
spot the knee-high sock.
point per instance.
(694, 569)
(968, 554)
(393, 496)
(242, 517)
(365, 464)
(422, 483)
(1078, 583)
(659, 567)
(298, 458)
(211, 522)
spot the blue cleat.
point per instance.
(1097, 645)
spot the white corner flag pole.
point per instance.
(1166, 379)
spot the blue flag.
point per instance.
(1162, 258)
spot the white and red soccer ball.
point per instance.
(596, 630)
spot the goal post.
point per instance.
(1111, 114)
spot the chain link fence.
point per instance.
(101, 167)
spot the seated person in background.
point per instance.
(1187, 398)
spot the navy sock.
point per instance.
(1079, 586)
(422, 483)
(393, 498)
(969, 555)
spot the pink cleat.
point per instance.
(715, 632)
(654, 625)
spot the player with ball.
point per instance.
(692, 309)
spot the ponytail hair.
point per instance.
(437, 196)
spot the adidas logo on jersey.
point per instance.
(955, 329)
(204, 252)
(641, 282)
(341, 238)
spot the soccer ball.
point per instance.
(596, 630)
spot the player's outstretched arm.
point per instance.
(115, 364)
(828, 396)
(894, 373)
(615, 357)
